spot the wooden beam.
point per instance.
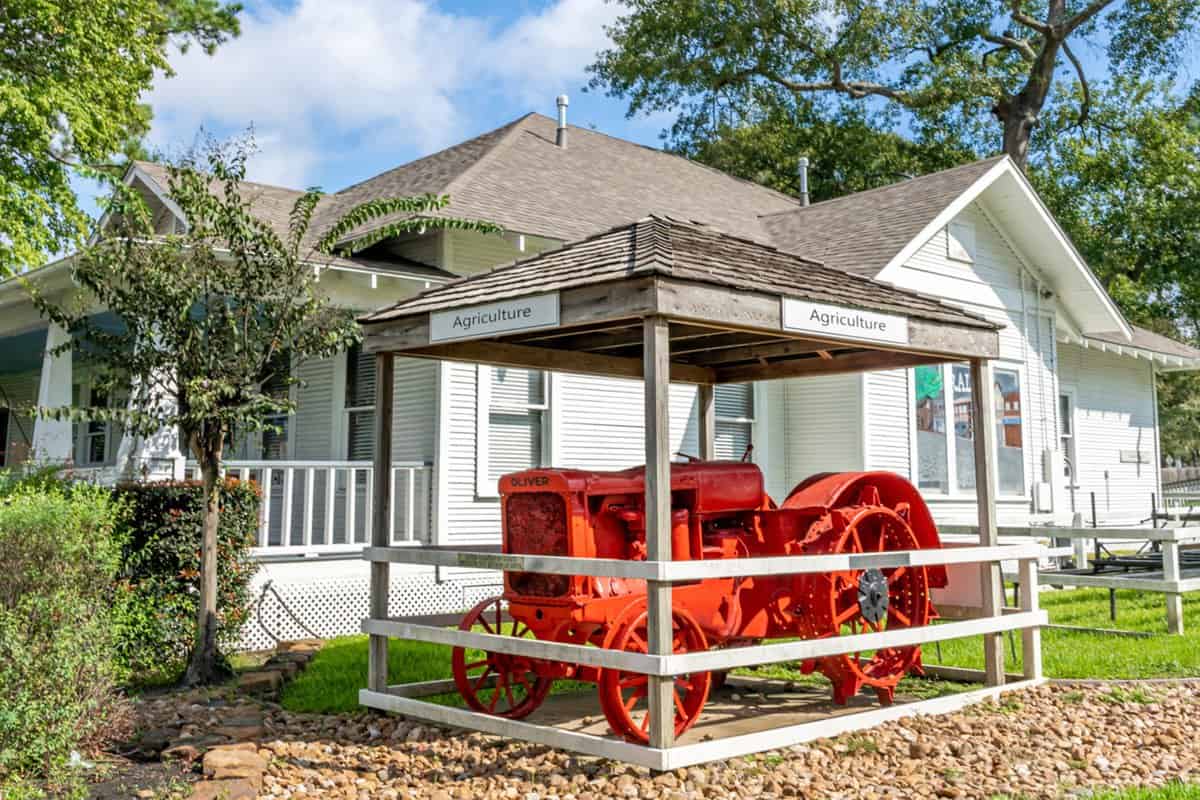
(725, 340)
(377, 655)
(518, 355)
(770, 348)
(983, 421)
(707, 414)
(861, 361)
(656, 357)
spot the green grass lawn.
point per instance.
(332, 680)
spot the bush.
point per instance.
(59, 556)
(160, 573)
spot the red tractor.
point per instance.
(719, 511)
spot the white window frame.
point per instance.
(1071, 454)
(485, 487)
(750, 422)
(961, 232)
(340, 387)
(954, 492)
(82, 436)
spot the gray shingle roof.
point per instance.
(862, 232)
(1149, 340)
(517, 177)
(666, 246)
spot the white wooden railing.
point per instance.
(310, 508)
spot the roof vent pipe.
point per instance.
(560, 136)
(803, 166)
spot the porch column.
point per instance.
(656, 376)
(53, 439)
(706, 402)
(377, 657)
(983, 419)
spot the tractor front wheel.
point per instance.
(497, 683)
(624, 695)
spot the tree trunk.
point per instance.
(207, 665)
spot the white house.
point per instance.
(1075, 397)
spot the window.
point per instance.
(944, 460)
(929, 396)
(513, 420)
(734, 412)
(960, 241)
(275, 436)
(92, 437)
(1066, 434)
(360, 404)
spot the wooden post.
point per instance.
(1170, 557)
(656, 376)
(377, 656)
(707, 433)
(1031, 638)
(983, 417)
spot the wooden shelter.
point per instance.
(672, 301)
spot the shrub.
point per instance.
(58, 557)
(160, 573)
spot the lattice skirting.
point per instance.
(337, 606)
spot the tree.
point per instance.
(847, 151)
(1127, 196)
(210, 318)
(71, 80)
(949, 63)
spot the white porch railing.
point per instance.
(310, 508)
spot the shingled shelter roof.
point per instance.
(726, 296)
(666, 246)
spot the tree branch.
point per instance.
(1021, 18)
(1010, 43)
(1094, 8)
(1085, 107)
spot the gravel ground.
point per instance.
(1051, 742)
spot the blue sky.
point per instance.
(341, 91)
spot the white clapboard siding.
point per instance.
(991, 286)
(414, 420)
(314, 409)
(602, 422)
(889, 418)
(471, 252)
(1114, 413)
(824, 425)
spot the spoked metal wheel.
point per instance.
(623, 695)
(497, 683)
(865, 601)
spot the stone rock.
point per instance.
(242, 728)
(235, 789)
(229, 762)
(303, 645)
(260, 682)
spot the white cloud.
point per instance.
(316, 76)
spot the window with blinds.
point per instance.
(734, 411)
(517, 406)
(360, 404)
(275, 435)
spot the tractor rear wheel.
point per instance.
(623, 695)
(865, 601)
(497, 683)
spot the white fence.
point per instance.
(310, 508)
